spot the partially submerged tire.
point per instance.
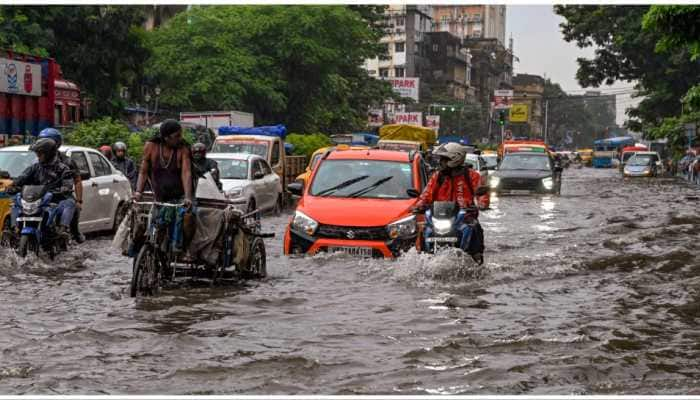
(145, 279)
(27, 244)
(257, 262)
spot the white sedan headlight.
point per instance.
(494, 181)
(402, 228)
(234, 192)
(548, 183)
(442, 226)
(303, 223)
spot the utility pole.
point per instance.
(546, 119)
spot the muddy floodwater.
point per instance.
(593, 292)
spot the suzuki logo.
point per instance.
(350, 234)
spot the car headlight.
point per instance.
(303, 223)
(402, 228)
(234, 192)
(548, 183)
(494, 181)
(442, 226)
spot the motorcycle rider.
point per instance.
(201, 164)
(454, 181)
(55, 135)
(49, 171)
(124, 164)
(106, 151)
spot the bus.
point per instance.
(605, 150)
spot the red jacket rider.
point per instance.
(450, 182)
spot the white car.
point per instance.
(248, 181)
(106, 191)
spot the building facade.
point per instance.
(472, 21)
(529, 89)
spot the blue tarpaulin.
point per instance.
(273, 130)
(453, 139)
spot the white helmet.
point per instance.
(455, 153)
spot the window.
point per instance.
(436, 48)
(100, 165)
(72, 114)
(384, 72)
(265, 168)
(81, 161)
(256, 168)
(386, 48)
(443, 19)
(399, 72)
(58, 114)
(399, 47)
(400, 21)
(275, 159)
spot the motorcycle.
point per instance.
(37, 222)
(446, 225)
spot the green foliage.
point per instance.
(677, 25)
(306, 144)
(297, 65)
(107, 131)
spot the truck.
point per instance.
(216, 119)
(265, 141)
(34, 96)
(406, 138)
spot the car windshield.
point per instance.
(491, 161)
(399, 146)
(362, 178)
(626, 156)
(259, 149)
(314, 160)
(640, 160)
(232, 169)
(473, 161)
(15, 162)
(525, 162)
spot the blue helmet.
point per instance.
(53, 134)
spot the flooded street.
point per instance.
(593, 292)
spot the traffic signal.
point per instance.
(501, 117)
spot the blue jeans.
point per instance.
(66, 208)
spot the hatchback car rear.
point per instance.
(358, 202)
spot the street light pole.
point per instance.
(546, 119)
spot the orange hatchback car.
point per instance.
(358, 202)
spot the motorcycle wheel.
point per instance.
(27, 244)
(145, 279)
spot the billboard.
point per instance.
(432, 122)
(502, 99)
(519, 113)
(18, 77)
(375, 117)
(405, 87)
(408, 118)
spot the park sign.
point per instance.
(405, 87)
(519, 113)
(502, 99)
(408, 118)
(18, 77)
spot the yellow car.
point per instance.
(5, 202)
(586, 155)
(304, 178)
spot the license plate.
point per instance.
(352, 251)
(35, 219)
(441, 240)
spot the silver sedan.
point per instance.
(249, 182)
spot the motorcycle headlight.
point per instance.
(234, 192)
(494, 181)
(402, 228)
(548, 183)
(442, 226)
(303, 223)
(30, 207)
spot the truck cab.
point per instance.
(271, 148)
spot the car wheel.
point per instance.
(252, 206)
(277, 210)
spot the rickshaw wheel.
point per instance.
(145, 280)
(257, 267)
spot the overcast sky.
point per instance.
(540, 46)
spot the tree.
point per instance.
(299, 65)
(624, 51)
(98, 47)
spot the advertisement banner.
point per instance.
(432, 122)
(18, 77)
(408, 118)
(519, 113)
(502, 99)
(405, 87)
(375, 117)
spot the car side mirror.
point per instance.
(5, 175)
(258, 175)
(413, 193)
(482, 190)
(84, 175)
(296, 188)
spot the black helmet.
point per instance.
(199, 150)
(45, 146)
(119, 146)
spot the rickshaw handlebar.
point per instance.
(157, 203)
